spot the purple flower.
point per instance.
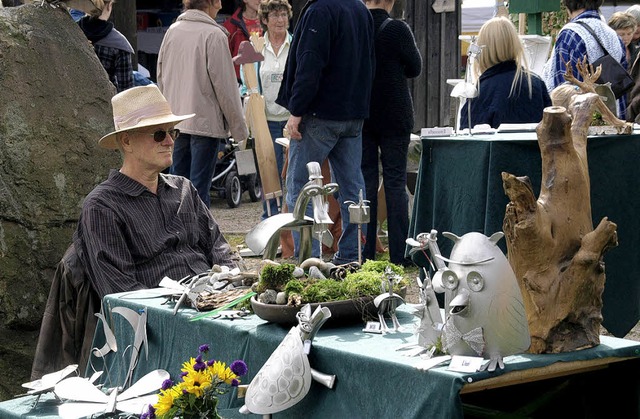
(204, 348)
(166, 384)
(211, 362)
(235, 383)
(239, 367)
(149, 414)
(200, 365)
(183, 374)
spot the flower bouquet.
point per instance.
(196, 396)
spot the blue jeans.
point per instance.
(194, 157)
(393, 155)
(341, 143)
(275, 128)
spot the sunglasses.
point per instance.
(160, 135)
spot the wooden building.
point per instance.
(436, 34)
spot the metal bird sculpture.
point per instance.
(485, 313)
(82, 398)
(285, 378)
(388, 301)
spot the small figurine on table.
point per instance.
(388, 301)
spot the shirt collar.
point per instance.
(134, 188)
(587, 14)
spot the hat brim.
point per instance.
(109, 140)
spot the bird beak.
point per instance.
(459, 303)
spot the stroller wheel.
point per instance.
(254, 187)
(233, 189)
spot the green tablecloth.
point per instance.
(459, 189)
(373, 379)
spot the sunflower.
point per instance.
(165, 400)
(224, 373)
(187, 367)
(196, 382)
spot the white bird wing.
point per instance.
(139, 324)
(136, 406)
(508, 331)
(48, 381)
(145, 385)
(111, 343)
(81, 390)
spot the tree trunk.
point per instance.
(552, 246)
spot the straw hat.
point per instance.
(139, 107)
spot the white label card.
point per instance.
(461, 363)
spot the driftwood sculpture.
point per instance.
(552, 246)
(563, 95)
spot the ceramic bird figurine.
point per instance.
(485, 313)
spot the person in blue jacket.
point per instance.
(327, 89)
(508, 92)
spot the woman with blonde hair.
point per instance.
(508, 92)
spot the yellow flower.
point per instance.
(196, 382)
(223, 373)
(165, 400)
(188, 366)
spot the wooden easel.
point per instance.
(257, 121)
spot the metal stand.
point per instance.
(359, 214)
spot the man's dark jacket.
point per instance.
(331, 64)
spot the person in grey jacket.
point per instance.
(196, 75)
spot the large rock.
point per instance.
(54, 106)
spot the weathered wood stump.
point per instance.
(552, 246)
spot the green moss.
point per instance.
(380, 265)
(363, 283)
(324, 290)
(294, 286)
(275, 277)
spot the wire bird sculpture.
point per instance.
(467, 89)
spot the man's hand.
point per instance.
(292, 127)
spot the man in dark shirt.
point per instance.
(140, 224)
(327, 88)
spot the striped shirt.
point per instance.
(129, 238)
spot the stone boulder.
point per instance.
(54, 106)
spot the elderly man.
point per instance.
(140, 224)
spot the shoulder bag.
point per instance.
(612, 71)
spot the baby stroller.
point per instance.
(235, 173)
